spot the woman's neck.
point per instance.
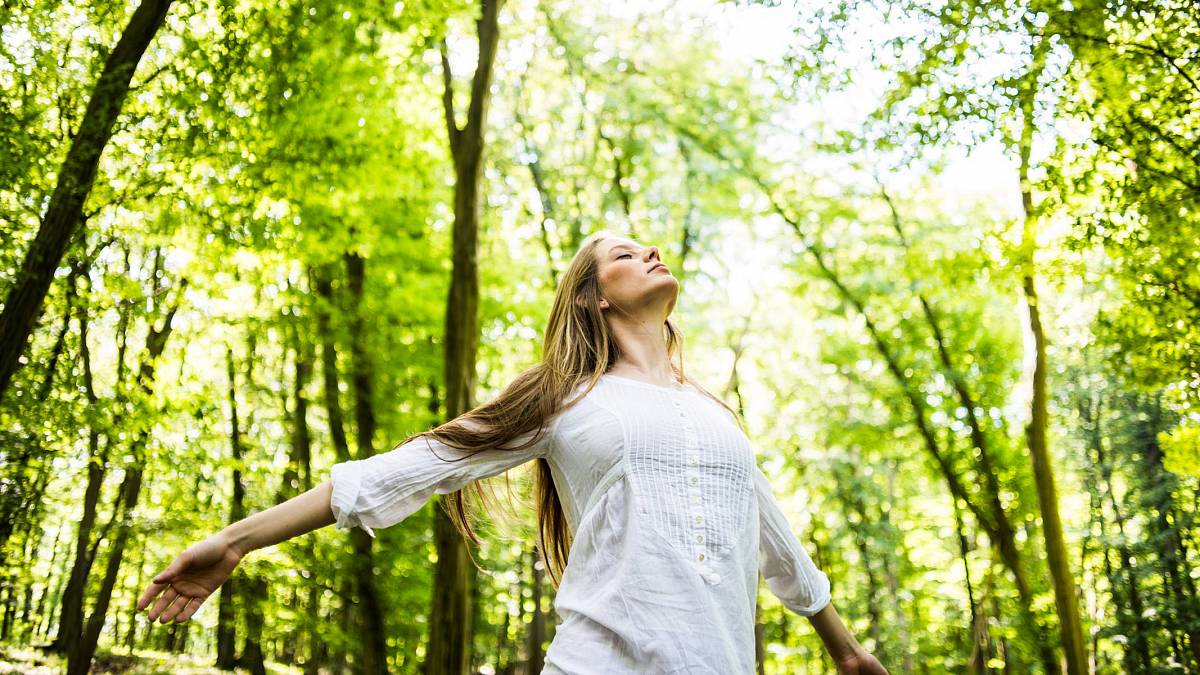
(643, 351)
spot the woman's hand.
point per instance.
(860, 662)
(190, 579)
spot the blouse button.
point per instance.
(699, 520)
(700, 556)
(699, 539)
(691, 460)
(694, 480)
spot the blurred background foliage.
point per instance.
(942, 255)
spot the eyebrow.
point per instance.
(627, 246)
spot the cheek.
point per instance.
(613, 277)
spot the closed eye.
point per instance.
(623, 255)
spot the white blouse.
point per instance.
(671, 518)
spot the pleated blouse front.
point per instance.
(672, 522)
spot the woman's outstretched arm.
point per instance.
(193, 576)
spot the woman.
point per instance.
(642, 475)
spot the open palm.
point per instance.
(188, 581)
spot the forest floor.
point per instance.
(26, 660)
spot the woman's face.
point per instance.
(633, 277)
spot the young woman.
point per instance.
(644, 477)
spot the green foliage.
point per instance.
(845, 267)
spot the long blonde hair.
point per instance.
(578, 347)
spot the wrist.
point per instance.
(845, 650)
(843, 647)
(838, 640)
(234, 539)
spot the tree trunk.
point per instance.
(302, 453)
(79, 658)
(374, 632)
(226, 610)
(253, 597)
(252, 590)
(1066, 601)
(70, 625)
(75, 178)
(355, 583)
(450, 620)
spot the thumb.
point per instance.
(178, 565)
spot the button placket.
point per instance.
(692, 474)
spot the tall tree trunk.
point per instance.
(79, 658)
(226, 609)
(252, 590)
(75, 179)
(323, 282)
(374, 632)
(252, 598)
(302, 454)
(450, 622)
(1066, 601)
(70, 625)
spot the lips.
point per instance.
(656, 267)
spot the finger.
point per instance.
(152, 590)
(192, 606)
(173, 609)
(177, 565)
(163, 602)
(189, 608)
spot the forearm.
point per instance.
(837, 638)
(298, 515)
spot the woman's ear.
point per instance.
(603, 303)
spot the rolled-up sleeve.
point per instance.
(383, 490)
(783, 561)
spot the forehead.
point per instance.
(610, 245)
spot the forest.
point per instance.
(942, 256)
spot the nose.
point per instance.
(653, 253)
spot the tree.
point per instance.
(63, 213)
